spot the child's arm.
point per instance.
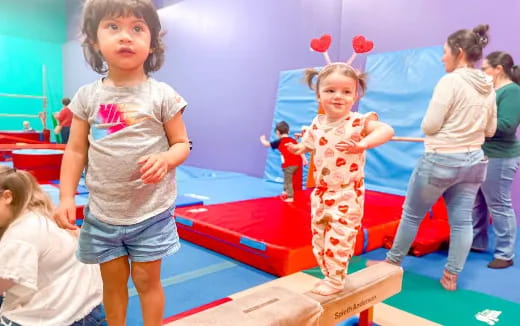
(264, 141)
(378, 133)
(297, 149)
(155, 166)
(5, 285)
(73, 163)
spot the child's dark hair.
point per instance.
(95, 10)
(65, 101)
(499, 58)
(470, 41)
(282, 127)
(339, 67)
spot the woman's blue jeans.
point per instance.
(455, 176)
(494, 197)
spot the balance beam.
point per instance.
(288, 301)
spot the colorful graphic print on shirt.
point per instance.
(112, 118)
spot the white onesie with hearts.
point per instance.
(338, 199)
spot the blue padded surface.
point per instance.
(184, 173)
(54, 193)
(182, 201)
(195, 276)
(399, 89)
(223, 190)
(295, 104)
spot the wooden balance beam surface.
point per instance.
(288, 301)
(363, 290)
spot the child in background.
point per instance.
(43, 282)
(128, 129)
(27, 126)
(290, 162)
(64, 118)
(339, 138)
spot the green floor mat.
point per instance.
(423, 296)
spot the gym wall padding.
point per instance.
(21, 72)
(32, 33)
(400, 85)
(399, 89)
(296, 104)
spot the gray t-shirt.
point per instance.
(125, 124)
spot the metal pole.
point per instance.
(410, 139)
(19, 115)
(44, 91)
(22, 96)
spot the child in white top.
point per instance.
(128, 130)
(339, 138)
(43, 282)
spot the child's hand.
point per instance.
(154, 168)
(65, 214)
(352, 147)
(264, 141)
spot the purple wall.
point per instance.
(225, 56)
(404, 24)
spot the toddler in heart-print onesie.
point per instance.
(339, 139)
(337, 201)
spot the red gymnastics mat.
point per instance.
(266, 233)
(275, 236)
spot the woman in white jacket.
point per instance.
(461, 113)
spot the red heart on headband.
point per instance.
(321, 44)
(361, 45)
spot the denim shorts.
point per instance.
(149, 240)
(95, 318)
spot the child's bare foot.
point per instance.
(324, 287)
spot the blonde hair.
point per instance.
(26, 192)
(339, 67)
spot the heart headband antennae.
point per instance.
(322, 44)
(360, 45)
(352, 57)
(327, 58)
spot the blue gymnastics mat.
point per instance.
(216, 187)
(195, 276)
(82, 199)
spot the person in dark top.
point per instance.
(503, 151)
